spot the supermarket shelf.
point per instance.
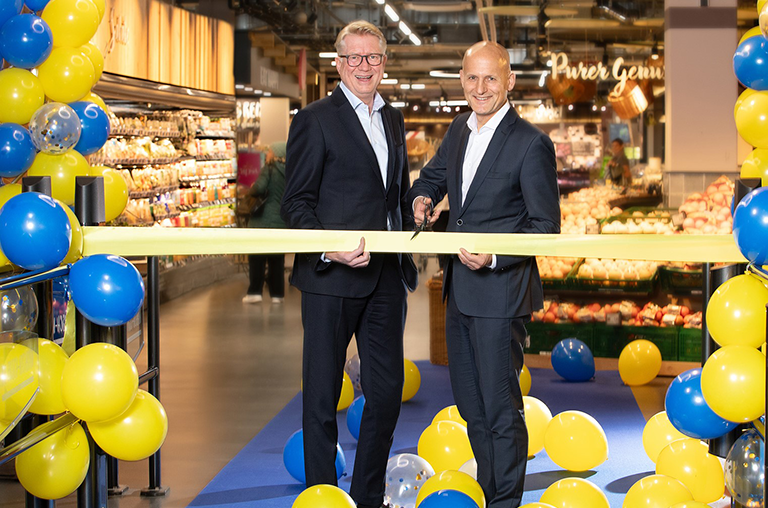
(134, 162)
(138, 194)
(133, 133)
(206, 204)
(192, 179)
(215, 135)
(214, 157)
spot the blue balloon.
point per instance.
(448, 499)
(750, 63)
(34, 231)
(688, 411)
(750, 226)
(293, 457)
(106, 289)
(94, 124)
(26, 41)
(9, 9)
(573, 360)
(17, 152)
(355, 416)
(36, 5)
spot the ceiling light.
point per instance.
(248, 88)
(418, 86)
(404, 28)
(391, 13)
(462, 102)
(267, 94)
(258, 92)
(405, 86)
(397, 104)
(328, 54)
(239, 87)
(444, 74)
(391, 81)
(386, 75)
(602, 108)
(594, 108)
(333, 63)
(415, 107)
(415, 39)
(570, 107)
(655, 51)
(380, 2)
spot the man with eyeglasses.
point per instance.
(347, 168)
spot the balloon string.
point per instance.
(33, 277)
(758, 271)
(760, 428)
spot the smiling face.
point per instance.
(364, 79)
(486, 79)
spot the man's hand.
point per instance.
(474, 261)
(357, 258)
(422, 207)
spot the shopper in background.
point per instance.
(499, 173)
(270, 183)
(347, 168)
(618, 166)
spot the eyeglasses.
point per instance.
(373, 59)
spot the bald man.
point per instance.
(499, 173)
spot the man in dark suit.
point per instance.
(347, 168)
(499, 173)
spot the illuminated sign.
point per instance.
(618, 71)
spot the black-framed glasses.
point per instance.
(373, 59)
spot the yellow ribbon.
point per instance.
(157, 241)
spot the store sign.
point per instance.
(118, 31)
(248, 113)
(594, 72)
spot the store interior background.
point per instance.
(199, 89)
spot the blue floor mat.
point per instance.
(257, 478)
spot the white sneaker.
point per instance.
(278, 299)
(252, 299)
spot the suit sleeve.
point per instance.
(304, 163)
(540, 193)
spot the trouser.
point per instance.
(377, 321)
(485, 357)
(275, 264)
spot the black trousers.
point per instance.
(485, 357)
(275, 264)
(377, 322)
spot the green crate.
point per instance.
(609, 341)
(689, 345)
(543, 337)
(642, 286)
(648, 212)
(677, 280)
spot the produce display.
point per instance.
(586, 207)
(627, 312)
(616, 269)
(710, 212)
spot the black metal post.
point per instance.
(41, 184)
(27, 425)
(119, 338)
(155, 488)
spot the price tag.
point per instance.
(677, 219)
(593, 229)
(613, 319)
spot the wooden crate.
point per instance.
(438, 352)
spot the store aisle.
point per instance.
(227, 368)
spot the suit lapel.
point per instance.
(389, 130)
(503, 131)
(458, 161)
(359, 140)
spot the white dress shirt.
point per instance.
(477, 144)
(373, 126)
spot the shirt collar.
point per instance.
(354, 100)
(490, 124)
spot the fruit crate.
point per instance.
(609, 341)
(679, 281)
(689, 345)
(543, 337)
(564, 283)
(640, 286)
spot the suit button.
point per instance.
(460, 222)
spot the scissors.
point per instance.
(425, 223)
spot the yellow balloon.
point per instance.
(63, 169)
(755, 30)
(323, 496)
(639, 362)
(733, 383)
(760, 5)
(8, 191)
(52, 360)
(537, 418)
(3, 260)
(92, 97)
(22, 94)
(736, 312)
(752, 119)
(72, 22)
(19, 367)
(658, 433)
(575, 441)
(101, 6)
(742, 96)
(347, 393)
(537, 505)
(450, 413)
(412, 380)
(525, 380)
(115, 192)
(756, 165)
(67, 74)
(445, 445)
(55, 467)
(690, 504)
(452, 480)
(75, 251)
(656, 491)
(137, 433)
(97, 59)
(99, 382)
(689, 461)
(574, 493)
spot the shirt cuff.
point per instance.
(325, 259)
(492, 266)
